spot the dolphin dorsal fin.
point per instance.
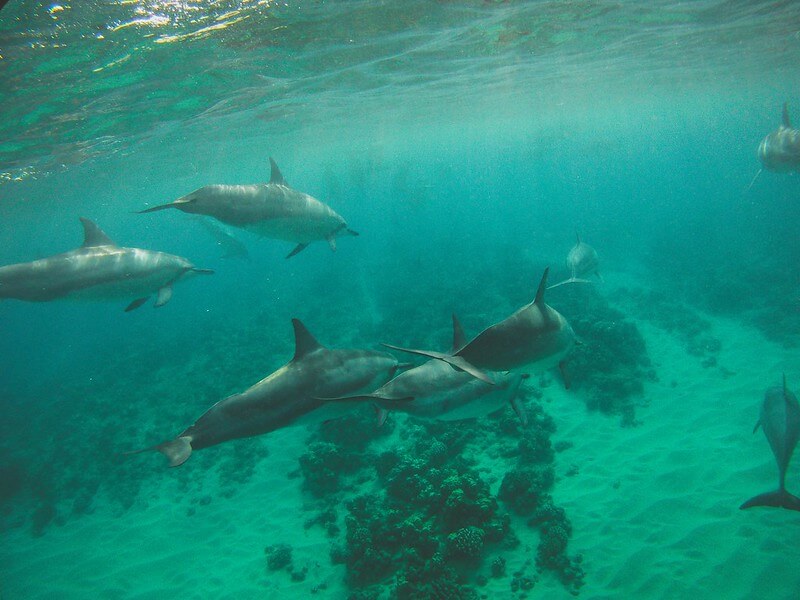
(785, 116)
(93, 235)
(785, 391)
(542, 287)
(304, 342)
(459, 339)
(275, 174)
(578, 238)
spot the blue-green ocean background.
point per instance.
(466, 142)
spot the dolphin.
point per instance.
(534, 338)
(98, 270)
(229, 246)
(272, 210)
(291, 395)
(582, 260)
(435, 390)
(780, 149)
(780, 420)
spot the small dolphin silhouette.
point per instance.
(780, 420)
(273, 210)
(291, 395)
(582, 260)
(780, 149)
(98, 270)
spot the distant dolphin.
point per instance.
(98, 270)
(780, 150)
(780, 420)
(435, 390)
(289, 396)
(271, 209)
(534, 338)
(582, 260)
(229, 246)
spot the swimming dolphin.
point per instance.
(582, 260)
(435, 390)
(98, 270)
(780, 420)
(291, 395)
(780, 149)
(535, 337)
(271, 209)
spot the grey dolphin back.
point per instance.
(787, 122)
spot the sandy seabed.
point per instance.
(654, 508)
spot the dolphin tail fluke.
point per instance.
(457, 362)
(297, 250)
(331, 239)
(778, 499)
(177, 451)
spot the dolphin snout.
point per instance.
(161, 207)
(181, 203)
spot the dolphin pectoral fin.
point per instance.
(164, 295)
(351, 232)
(331, 242)
(778, 499)
(519, 410)
(464, 365)
(457, 362)
(177, 451)
(380, 416)
(297, 250)
(202, 271)
(787, 122)
(562, 368)
(757, 425)
(136, 303)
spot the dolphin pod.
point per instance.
(435, 390)
(97, 270)
(780, 421)
(534, 338)
(291, 395)
(272, 210)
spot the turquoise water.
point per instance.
(466, 142)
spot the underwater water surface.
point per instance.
(467, 143)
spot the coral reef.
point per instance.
(431, 527)
(608, 369)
